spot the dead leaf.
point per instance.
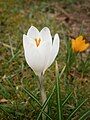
(3, 100)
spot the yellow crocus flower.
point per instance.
(79, 44)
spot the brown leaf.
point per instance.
(3, 100)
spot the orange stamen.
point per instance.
(37, 41)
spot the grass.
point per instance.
(19, 95)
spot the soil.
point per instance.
(75, 16)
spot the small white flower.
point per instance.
(40, 51)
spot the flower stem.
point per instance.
(43, 93)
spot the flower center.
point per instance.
(37, 41)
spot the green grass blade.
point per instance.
(66, 99)
(12, 58)
(76, 109)
(3, 109)
(58, 94)
(4, 92)
(34, 98)
(6, 110)
(85, 115)
(62, 71)
(45, 104)
(49, 109)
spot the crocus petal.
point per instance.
(79, 44)
(45, 51)
(54, 51)
(84, 47)
(80, 38)
(27, 43)
(46, 35)
(33, 33)
(33, 59)
(39, 50)
(36, 57)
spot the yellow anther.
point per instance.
(37, 41)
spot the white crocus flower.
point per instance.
(40, 51)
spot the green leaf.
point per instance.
(12, 58)
(34, 98)
(62, 71)
(66, 99)
(58, 93)
(4, 92)
(45, 104)
(85, 115)
(76, 109)
(6, 109)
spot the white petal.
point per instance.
(45, 50)
(27, 43)
(36, 57)
(54, 51)
(33, 33)
(46, 35)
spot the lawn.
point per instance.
(67, 83)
